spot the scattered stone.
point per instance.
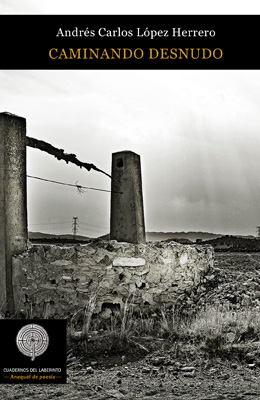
(188, 369)
(189, 374)
(250, 357)
(231, 337)
(146, 370)
(94, 363)
(115, 394)
(173, 371)
(155, 371)
(162, 375)
(89, 370)
(152, 392)
(158, 361)
(225, 377)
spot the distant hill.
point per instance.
(192, 236)
(235, 243)
(218, 241)
(39, 236)
(182, 237)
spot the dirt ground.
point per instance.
(156, 375)
(142, 380)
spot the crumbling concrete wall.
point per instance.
(51, 281)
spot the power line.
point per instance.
(79, 187)
(95, 225)
(51, 223)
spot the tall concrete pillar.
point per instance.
(13, 209)
(127, 214)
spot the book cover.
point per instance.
(129, 239)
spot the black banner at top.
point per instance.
(129, 42)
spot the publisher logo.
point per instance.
(32, 340)
(36, 351)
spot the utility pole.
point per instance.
(75, 227)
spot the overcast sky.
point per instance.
(197, 133)
(129, 7)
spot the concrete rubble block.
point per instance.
(55, 252)
(103, 291)
(128, 262)
(164, 298)
(184, 259)
(148, 298)
(154, 274)
(138, 302)
(81, 279)
(82, 290)
(90, 270)
(154, 290)
(164, 260)
(37, 249)
(101, 258)
(106, 261)
(132, 288)
(172, 290)
(84, 249)
(37, 257)
(140, 271)
(113, 276)
(122, 291)
(167, 271)
(48, 286)
(117, 247)
(80, 301)
(140, 250)
(65, 283)
(71, 252)
(61, 263)
(140, 283)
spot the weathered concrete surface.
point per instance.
(13, 211)
(127, 213)
(51, 281)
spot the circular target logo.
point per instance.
(32, 340)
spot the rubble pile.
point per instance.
(233, 282)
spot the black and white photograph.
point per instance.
(129, 208)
